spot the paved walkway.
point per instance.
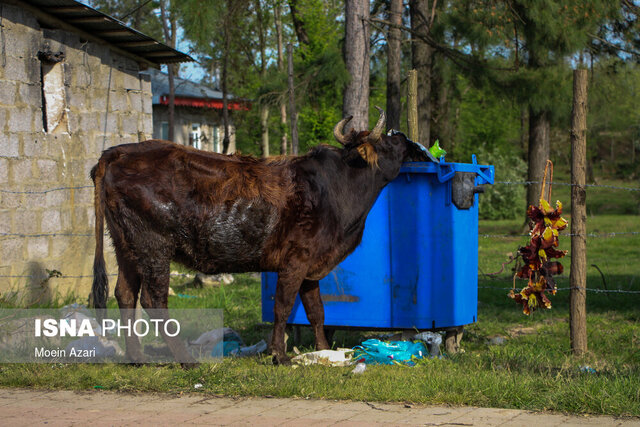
(21, 407)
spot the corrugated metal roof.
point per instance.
(183, 87)
(191, 93)
(110, 30)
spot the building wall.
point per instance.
(210, 121)
(106, 102)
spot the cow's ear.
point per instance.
(368, 153)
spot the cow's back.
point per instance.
(209, 211)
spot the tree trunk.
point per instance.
(441, 125)
(225, 107)
(578, 275)
(170, 37)
(422, 62)
(283, 106)
(292, 103)
(264, 109)
(298, 25)
(523, 129)
(539, 128)
(264, 125)
(394, 60)
(412, 106)
(356, 52)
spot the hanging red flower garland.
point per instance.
(545, 224)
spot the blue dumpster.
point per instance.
(417, 265)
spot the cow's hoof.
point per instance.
(281, 360)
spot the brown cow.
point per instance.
(298, 216)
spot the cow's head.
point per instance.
(376, 150)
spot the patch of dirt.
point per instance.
(520, 330)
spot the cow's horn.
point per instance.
(376, 133)
(338, 130)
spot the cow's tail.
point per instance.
(100, 287)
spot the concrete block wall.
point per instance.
(43, 227)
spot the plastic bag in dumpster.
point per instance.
(389, 353)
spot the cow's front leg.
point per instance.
(286, 290)
(310, 296)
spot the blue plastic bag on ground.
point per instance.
(389, 353)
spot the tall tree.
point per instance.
(356, 58)
(280, 64)
(422, 14)
(394, 61)
(264, 108)
(170, 31)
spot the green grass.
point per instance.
(534, 369)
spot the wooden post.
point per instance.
(292, 103)
(412, 105)
(578, 276)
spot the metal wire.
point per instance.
(45, 191)
(596, 235)
(599, 291)
(612, 187)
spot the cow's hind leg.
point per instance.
(310, 296)
(126, 292)
(286, 290)
(154, 299)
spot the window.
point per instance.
(216, 139)
(164, 130)
(54, 99)
(195, 136)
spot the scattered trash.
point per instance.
(252, 350)
(436, 150)
(98, 387)
(93, 348)
(360, 368)
(196, 386)
(80, 313)
(374, 351)
(339, 357)
(223, 342)
(588, 369)
(186, 296)
(433, 340)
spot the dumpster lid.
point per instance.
(445, 170)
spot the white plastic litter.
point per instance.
(340, 357)
(212, 337)
(80, 313)
(360, 368)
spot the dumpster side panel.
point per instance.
(413, 226)
(453, 288)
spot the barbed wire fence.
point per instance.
(482, 276)
(493, 277)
